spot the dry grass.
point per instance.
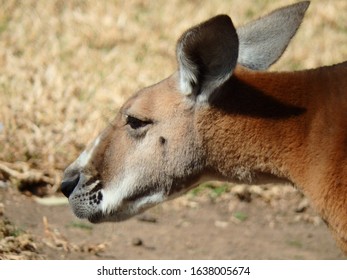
(66, 66)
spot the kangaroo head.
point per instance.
(154, 149)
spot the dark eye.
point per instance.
(136, 123)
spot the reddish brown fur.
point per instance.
(308, 148)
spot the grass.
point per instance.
(211, 189)
(8, 229)
(67, 66)
(295, 243)
(241, 216)
(81, 225)
(16, 232)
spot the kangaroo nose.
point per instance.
(69, 184)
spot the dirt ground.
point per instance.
(242, 223)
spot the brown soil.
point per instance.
(270, 223)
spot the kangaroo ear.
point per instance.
(263, 41)
(207, 55)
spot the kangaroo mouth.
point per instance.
(96, 218)
(115, 216)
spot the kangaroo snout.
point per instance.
(69, 183)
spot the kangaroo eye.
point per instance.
(136, 123)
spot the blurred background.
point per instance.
(65, 69)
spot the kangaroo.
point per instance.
(221, 116)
